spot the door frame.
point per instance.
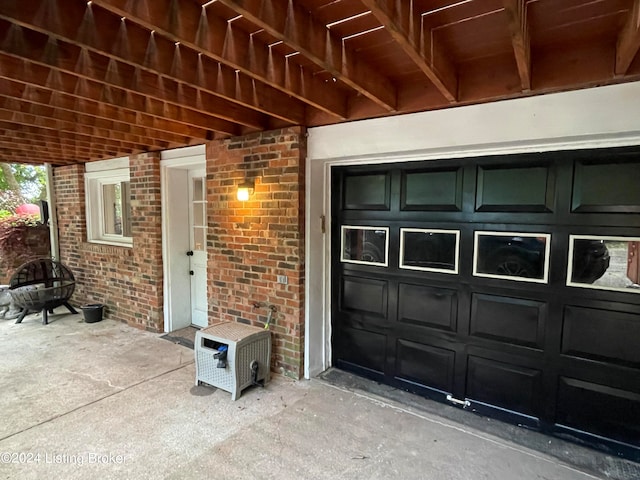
(175, 274)
(599, 117)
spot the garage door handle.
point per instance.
(462, 403)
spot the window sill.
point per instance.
(107, 248)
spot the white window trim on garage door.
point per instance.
(602, 117)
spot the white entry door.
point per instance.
(198, 246)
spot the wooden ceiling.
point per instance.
(86, 80)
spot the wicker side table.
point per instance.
(246, 347)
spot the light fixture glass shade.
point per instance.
(245, 190)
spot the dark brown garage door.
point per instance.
(505, 284)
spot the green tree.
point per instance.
(27, 181)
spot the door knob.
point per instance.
(190, 253)
(190, 272)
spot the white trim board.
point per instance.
(182, 152)
(105, 165)
(602, 117)
(590, 118)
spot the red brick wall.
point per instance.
(250, 243)
(128, 281)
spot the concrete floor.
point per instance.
(104, 400)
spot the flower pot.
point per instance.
(92, 313)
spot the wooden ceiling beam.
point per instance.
(24, 150)
(628, 41)
(111, 99)
(52, 150)
(27, 137)
(91, 27)
(11, 110)
(47, 141)
(516, 13)
(25, 134)
(140, 124)
(63, 148)
(9, 155)
(26, 122)
(100, 128)
(26, 118)
(292, 24)
(405, 26)
(35, 47)
(213, 37)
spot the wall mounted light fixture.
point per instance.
(245, 190)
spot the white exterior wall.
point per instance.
(591, 118)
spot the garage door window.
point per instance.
(429, 250)
(366, 245)
(510, 255)
(606, 263)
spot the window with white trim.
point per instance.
(108, 199)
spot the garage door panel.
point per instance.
(507, 332)
(427, 306)
(508, 319)
(361, 347)
(504, 189)
(599, 408)
(606, 187)
(364, 295)
(426, 365)
(432, 190)
(366, 191)
(603, 335)
(506, 385)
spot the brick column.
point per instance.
(251, 243)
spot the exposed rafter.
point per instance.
(9, 154)
(405, 26)
(83, 80)
(129, 43)
(215, 38)
(111, 101)
(516, 11)
(27, 133)
(136, 136)
(44, 149)
(628, 40)
(52, 142)
(19, 42)
(293, 25)
(21, 111)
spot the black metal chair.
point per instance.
(42, 285)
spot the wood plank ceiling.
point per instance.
(86, 80)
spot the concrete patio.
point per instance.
(105, 400)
